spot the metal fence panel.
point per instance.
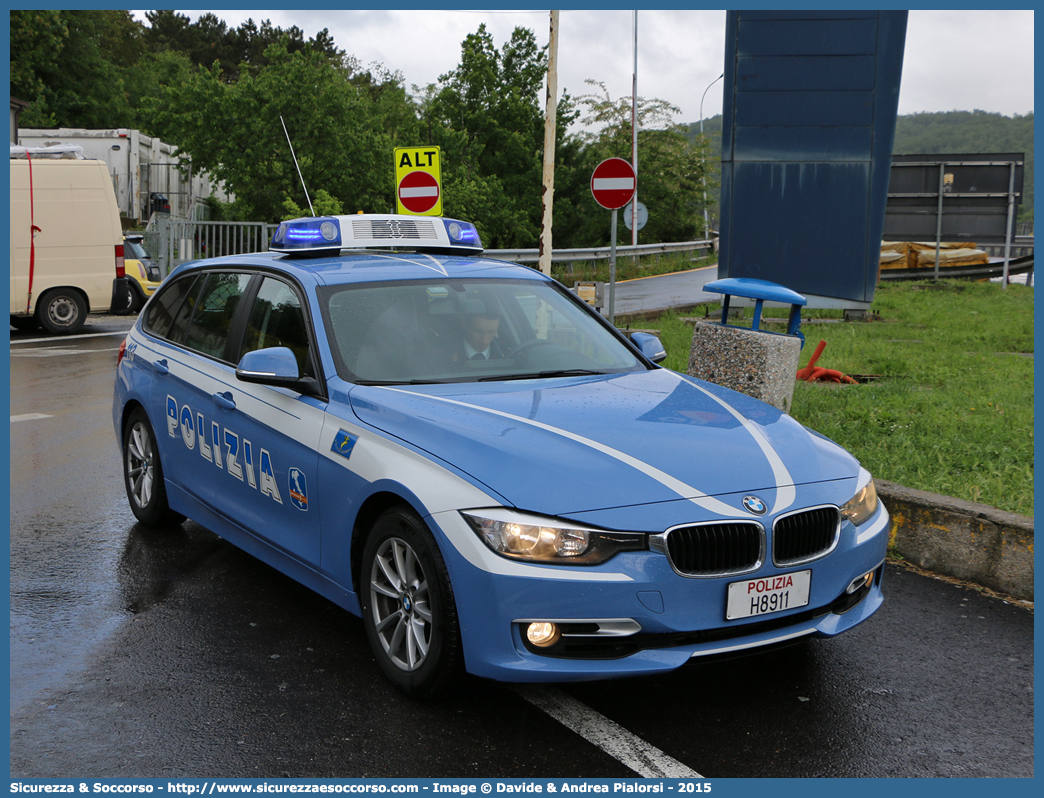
(173, 241)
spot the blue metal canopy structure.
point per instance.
(808, 128)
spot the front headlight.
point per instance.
(529, 537)
(863, 505)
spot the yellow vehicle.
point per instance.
(143, 277)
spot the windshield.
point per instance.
(465, 330)
(132, 249)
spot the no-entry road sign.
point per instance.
(613, 183)
(418, 192)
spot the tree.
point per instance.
(73, 66)
(672, 169)
(209, 41)
(37, 39)
(323, 203)
(332, 116)
(487, 118)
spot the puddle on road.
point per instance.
(75, 578)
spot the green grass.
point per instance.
(950, 406)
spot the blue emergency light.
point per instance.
(310, 236)
(328, 235)
(462, 234)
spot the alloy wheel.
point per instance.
(400, 604)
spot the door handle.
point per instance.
(224, 400)
(160, 366)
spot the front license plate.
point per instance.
(767, 595)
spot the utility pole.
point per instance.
(550, 123)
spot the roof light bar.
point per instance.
(310, 236)
(462, 234)
(327, 235)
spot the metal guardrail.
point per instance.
(1020, 246)
(173, 241)
(597, 253)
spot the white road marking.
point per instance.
(57, 351)
(68, 338)
(29, 417)
(646, 760)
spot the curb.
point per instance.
(963, 539)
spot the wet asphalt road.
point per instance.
(173, 654)
(647, 295)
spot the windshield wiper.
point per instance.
(539, 374)
(405, 382)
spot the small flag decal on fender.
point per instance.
(343, 444)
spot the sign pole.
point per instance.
(612, 270)
(1008, 225)
(613, 184)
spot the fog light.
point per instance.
(543, 634)
(861, 582)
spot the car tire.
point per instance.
(408, 607)
(61, 311)
(134, 301)
(143, 474)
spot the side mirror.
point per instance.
(274, 366)
(650, 346)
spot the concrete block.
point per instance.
(963, 539)
(759, 364)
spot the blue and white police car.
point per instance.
(469, 457)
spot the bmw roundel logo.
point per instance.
(754, 505)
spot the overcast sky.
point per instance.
(955, 60)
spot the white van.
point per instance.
(73, 265)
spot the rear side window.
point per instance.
(165, 306)
(197, 310)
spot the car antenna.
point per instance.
(310, 208)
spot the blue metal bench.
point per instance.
(760, 291)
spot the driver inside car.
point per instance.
(479, 341)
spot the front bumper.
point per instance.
(634, 615)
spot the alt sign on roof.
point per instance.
(418, 181)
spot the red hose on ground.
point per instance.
(813, 373)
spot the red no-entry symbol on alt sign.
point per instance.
(418, 192)
(613, 183)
